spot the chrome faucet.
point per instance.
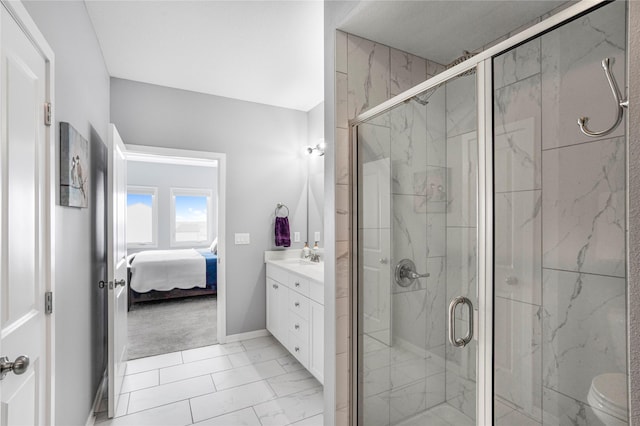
(314, 257)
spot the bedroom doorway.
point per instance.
(176, 245)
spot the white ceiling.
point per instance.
(271, 52)
(442, 30)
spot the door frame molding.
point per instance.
(17, 10)
(202, 157)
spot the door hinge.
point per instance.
(48, 302)
(47, 114)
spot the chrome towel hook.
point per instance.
(622, 104)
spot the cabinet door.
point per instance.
(272, 308)
(316, 356)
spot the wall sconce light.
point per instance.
(318, 149)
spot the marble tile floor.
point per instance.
(440, 415)
(251, 382)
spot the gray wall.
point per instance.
(633, 241)
(82, 99)
(315, 169)
(265, 165)
(167, 176)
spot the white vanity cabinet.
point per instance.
(277, 299)
(295, 314)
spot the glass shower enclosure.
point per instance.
(417, 165)
(490, 282)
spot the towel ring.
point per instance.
(621, 104)
(280, 206)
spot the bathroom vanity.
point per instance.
(295, 307)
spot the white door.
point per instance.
(25, 228)
(376, 217)
(117, 259)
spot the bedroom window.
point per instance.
(191, 216)
(142, 216)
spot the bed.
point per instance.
(167, 274)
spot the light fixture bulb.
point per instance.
(317, 150)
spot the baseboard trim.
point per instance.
(246, 336)
(91, 419)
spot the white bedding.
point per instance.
(168, 269)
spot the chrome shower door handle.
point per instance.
(456, 341)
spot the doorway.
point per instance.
(175, 240)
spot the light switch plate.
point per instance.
(316, 236)
(242, 239)
(296, 237)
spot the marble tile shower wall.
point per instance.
(367, 74)
(560, 222)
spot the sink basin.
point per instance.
(295, 264)
(302, 262)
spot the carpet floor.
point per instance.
(161, 327)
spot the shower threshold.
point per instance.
(440, 415)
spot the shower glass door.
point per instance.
(417, 228)
(559, 203)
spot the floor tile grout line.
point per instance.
(182, 358)
(230, 412)
(151, 369)
(203, 374)
(152, 408)
(253, 407)
(172, 402)
(139, 389)
(208, 358)
(319, 385)
(229, 370)
(213, 382)
(128, 399)
(181, 380)
(191, 412)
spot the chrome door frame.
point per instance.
(484, 87)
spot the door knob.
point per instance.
(19, 366)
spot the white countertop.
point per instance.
(291, 261)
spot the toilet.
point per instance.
(608, 391)
(608, 395)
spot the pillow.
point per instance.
(214, 246)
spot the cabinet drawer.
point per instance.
(299, 305)
(299, 284)
(299, 327)
(299, 349)
(277, 274)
